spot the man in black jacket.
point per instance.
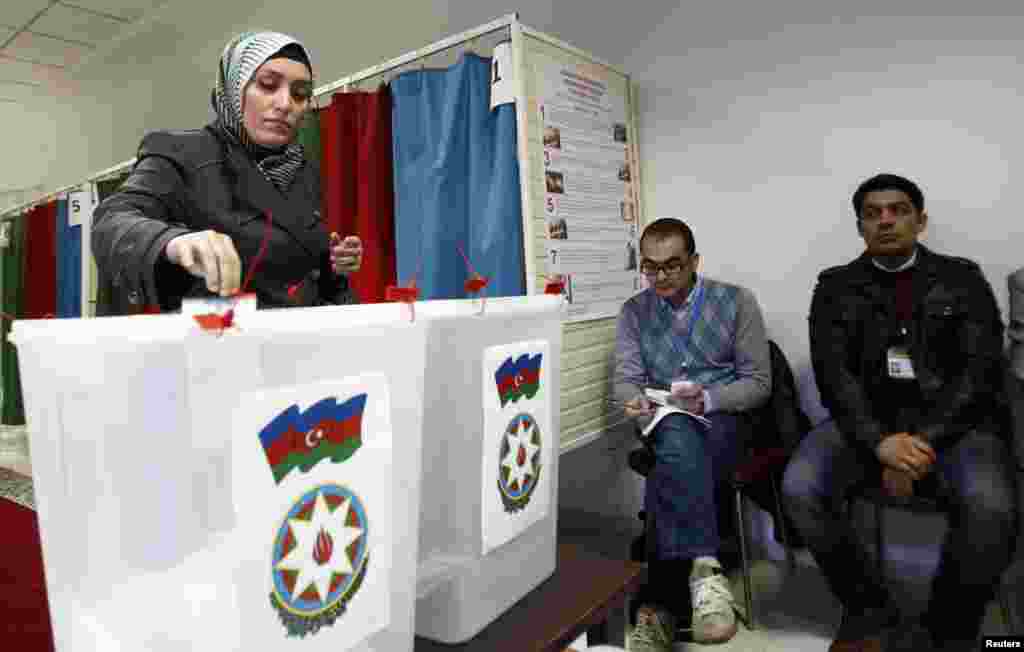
(906, 346)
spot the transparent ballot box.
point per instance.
(490, 459)
(252, 489)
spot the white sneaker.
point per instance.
(653, 632)
(714, 617)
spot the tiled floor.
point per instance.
(795, 611)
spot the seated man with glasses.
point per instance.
(705, 340)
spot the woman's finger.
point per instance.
(342, 250)
(217, 249)
(226, 284)
(207, 262)
(230, 266)
(187, 259)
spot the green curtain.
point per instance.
(309, 136)
(11, 259)
(9, 225)
(1, 301)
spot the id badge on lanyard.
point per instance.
(898, 359)
(900, 366)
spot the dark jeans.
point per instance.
(975, 473)
(691, 461)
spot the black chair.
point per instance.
(764, 465)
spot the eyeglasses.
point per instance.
(672, 267)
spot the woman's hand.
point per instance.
(211, 256)
(347, 254)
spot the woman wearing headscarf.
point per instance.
(199, 205)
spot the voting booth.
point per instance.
(255, 489)
(490, 459)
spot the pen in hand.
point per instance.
(632, 410)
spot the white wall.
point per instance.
(758, 121)
(160, 76)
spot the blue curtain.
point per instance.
(456, 182)
(69, 264)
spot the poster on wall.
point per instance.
(312, 487)
(518, 441)
(589, 198)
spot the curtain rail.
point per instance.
(422, 53)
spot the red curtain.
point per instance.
(40, 272)
(358, 186)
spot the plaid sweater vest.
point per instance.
(708, 355)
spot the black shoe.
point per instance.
(956, 628)
(862, 623)
(908, 637)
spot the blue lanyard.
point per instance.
(698, 304)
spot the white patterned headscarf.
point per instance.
(242, 56)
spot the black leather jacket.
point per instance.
(956, 342)
(187, 181)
